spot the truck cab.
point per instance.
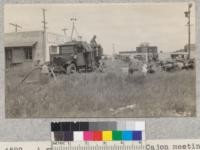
(75, 56)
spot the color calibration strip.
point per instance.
(98, 131)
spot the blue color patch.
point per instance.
(127, 135)
(137, 135)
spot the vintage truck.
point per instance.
(76, 56)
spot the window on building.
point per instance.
(28, 53)
(8, 52)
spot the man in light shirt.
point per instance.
(144, 69)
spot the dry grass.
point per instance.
(102, 94)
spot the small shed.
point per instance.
(28, 46)
(19, 52)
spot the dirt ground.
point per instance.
(110, 94)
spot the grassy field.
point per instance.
(108, 94)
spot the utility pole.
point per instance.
(44, 33)
(64, 30)
(65, 33)
(44, 19)
(73, 26)
(16, 26)
(146, 50)
(80, 38)
(113, 49)
(187, 15)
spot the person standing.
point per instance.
(144, 69)
(44, 75)
(133, 66)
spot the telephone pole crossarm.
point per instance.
(16, 26)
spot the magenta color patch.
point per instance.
(88, 136)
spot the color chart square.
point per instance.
(55, 126)
(84, 126)
(139, 126)
(127, 135)
(52, 136)
(65, 126)
(88, 136)
(68, 136)
(75, 126)
(59, 136)
(107, 135)
(117, 135)
(130, 125)
(97, 136)
(137, 135)
(78, 136)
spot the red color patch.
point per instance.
(97, 135)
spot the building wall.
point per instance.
(145, 49)
(39, 54)
(141, 52)
(25, 37)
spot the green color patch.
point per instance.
(117, 135)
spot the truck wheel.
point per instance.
(71, 69)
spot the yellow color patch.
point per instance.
(107, 135)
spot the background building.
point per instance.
(183, 53)
(150, 51)
(143, 52)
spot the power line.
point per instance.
(16, 26)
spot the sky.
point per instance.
(122, 26)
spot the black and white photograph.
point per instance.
(107, 60)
